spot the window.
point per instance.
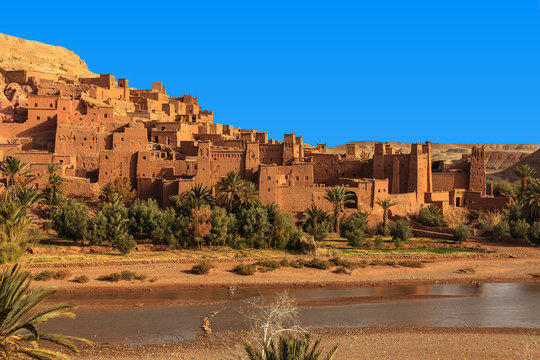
(48, 118)
(156, 139)
(38, 118)
(307, 177)
(64, 108)
(122, 139)
(378, 190)
(168, 140)
(105, 115)
(268, 178)
(84, 139)
(35, 104)
(61, 161)
(50, 105)
(163, 128)
(298, 178)
(106, 156)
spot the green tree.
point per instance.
(143, 217)
(200, 225)
(20, 319)
(354, 229)
(15, 174)
(14, 223)
(254, 225)
(223, 225)
(531, 201)
(198, 197)
(119, 187)
(339, 197)
(71, 220)
(431, 216)
(524, 172)
(316, 222)
(172, 230)
(28, 197)
(249, 196)
(110, 226)
(385, 204)
(229, 189)
(290, 347)
(54, 190)
(401, 230)
(283, 232)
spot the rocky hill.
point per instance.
(21, 54)
(533, 160)
(498, 156)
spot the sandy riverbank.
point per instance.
(363, 343)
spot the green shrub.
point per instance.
(255, 226)
(223, 226)
(81, 279)
(354, 229)
(461, 233)
(401, 230)
(502, 228)
(71, 219)
(244, 269)
(202, 268)
(431, 216)
(284, 233)
(172, 230)
(297, 263)
(268, 265)
(126, 275)
(44, 275)
(143, 217)
(534, 233)
(487, 226)
(519, 229)
(382, 263)
(318, 264)
(110, 226)
(343, 263)
(11, 252)
(411, 263)
(378, 242)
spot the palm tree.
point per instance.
(19, 328)
(14, 171)
(229, 189)
(14, 223)
(524, 172)
(386, 204)
(28, 197)
(338, 196)
(290, 347)
(198, 197)
(531, 201)
(273, 210)
(249, 196)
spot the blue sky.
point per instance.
(332, 71)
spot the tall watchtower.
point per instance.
(477, 170)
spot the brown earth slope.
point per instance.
(533, 160)
(21, 54)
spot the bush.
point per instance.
(44, 275)
(297, 263)
(61, 274)
(71, 219)
(119, 188)
(110, 226)
(411, 263)
(353, 229)
(255, 226)
(172, 230)
(202, 268)
(81, 279)
(461, 233)
(223, 226)
(319, 264)
(11, 252)
(284, 233)
(502, 228)
(401, 230)
(519, 229)
(268, 265)
(143, 217)
(123, 275)
(378, 242)
(534, 233)
(343, 270)
(243, 269)
(431, 216)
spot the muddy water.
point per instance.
(452, 305)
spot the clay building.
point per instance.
(97, 129)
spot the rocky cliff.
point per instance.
(21, 54)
